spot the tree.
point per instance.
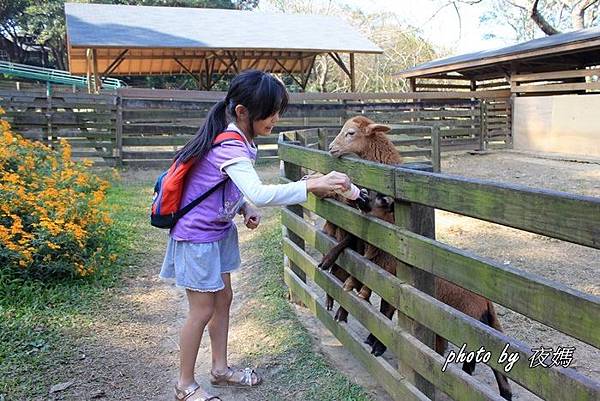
(402, 48)
(527, 16)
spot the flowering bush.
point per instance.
(51, 219)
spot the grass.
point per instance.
(305, 371)
(37, 317)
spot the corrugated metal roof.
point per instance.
(548, 42)
(101, 25)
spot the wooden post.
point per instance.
(436, 161)
(412, 84)
(323, 139)
(352, 74)
(49, 114)
(97, 83)
(119, 131)
(294, 173)
(483, 125)
(88, 65)
(421, 220)
(473, 88)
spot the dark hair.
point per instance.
(261, 93)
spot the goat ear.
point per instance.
(374, 128)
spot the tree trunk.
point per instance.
(539, 19)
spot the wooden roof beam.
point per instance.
(115, 64)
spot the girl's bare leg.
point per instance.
(201, 309)
(218, 327)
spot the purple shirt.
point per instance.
(211, 219)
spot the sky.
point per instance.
(444, 29)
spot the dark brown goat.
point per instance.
(465, 301)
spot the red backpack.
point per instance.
(168, 188)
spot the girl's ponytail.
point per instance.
(200, 144)
(262, 94)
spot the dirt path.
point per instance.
(131, 350)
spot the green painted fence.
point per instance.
(558, 215)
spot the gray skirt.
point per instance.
(199, 266)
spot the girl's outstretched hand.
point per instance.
(325, 185)
(251, 216)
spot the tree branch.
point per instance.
(578, 13)
(539, 19)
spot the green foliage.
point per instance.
(52, 219)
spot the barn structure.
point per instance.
(552, 82)
(205, 43)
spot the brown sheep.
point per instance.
(368, 140)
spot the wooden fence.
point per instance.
(412, 241)
(142, 127)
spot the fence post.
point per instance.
(119, 131)
(436, 161)
(483, 125)
(49, 136)
(294, 173)
(420, 220)
(323, 139)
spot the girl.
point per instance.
(203, 246)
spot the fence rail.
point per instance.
(141, 127)
(573, 312)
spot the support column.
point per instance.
(420, 220)
(352, 74)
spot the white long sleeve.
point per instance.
(244, 176)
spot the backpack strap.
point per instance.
(180, 213)
(219, 139)
(227, 136)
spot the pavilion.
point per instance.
(204, 43)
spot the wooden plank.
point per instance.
(372, 175)
(394, 384)
(561, 215)
(69, 119)
(556, 87)
(549, 383)
(541, 76)
(90, 144)
(573, 312)
(165, 104)
(90, 134)
(267, 152)
(411, 141)
(170, 140)
(129, 129)
(93, 153)
(466, 112)
(407, 348)
(415, 152)
(147, 163)
(168, 155)
(299, 97)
